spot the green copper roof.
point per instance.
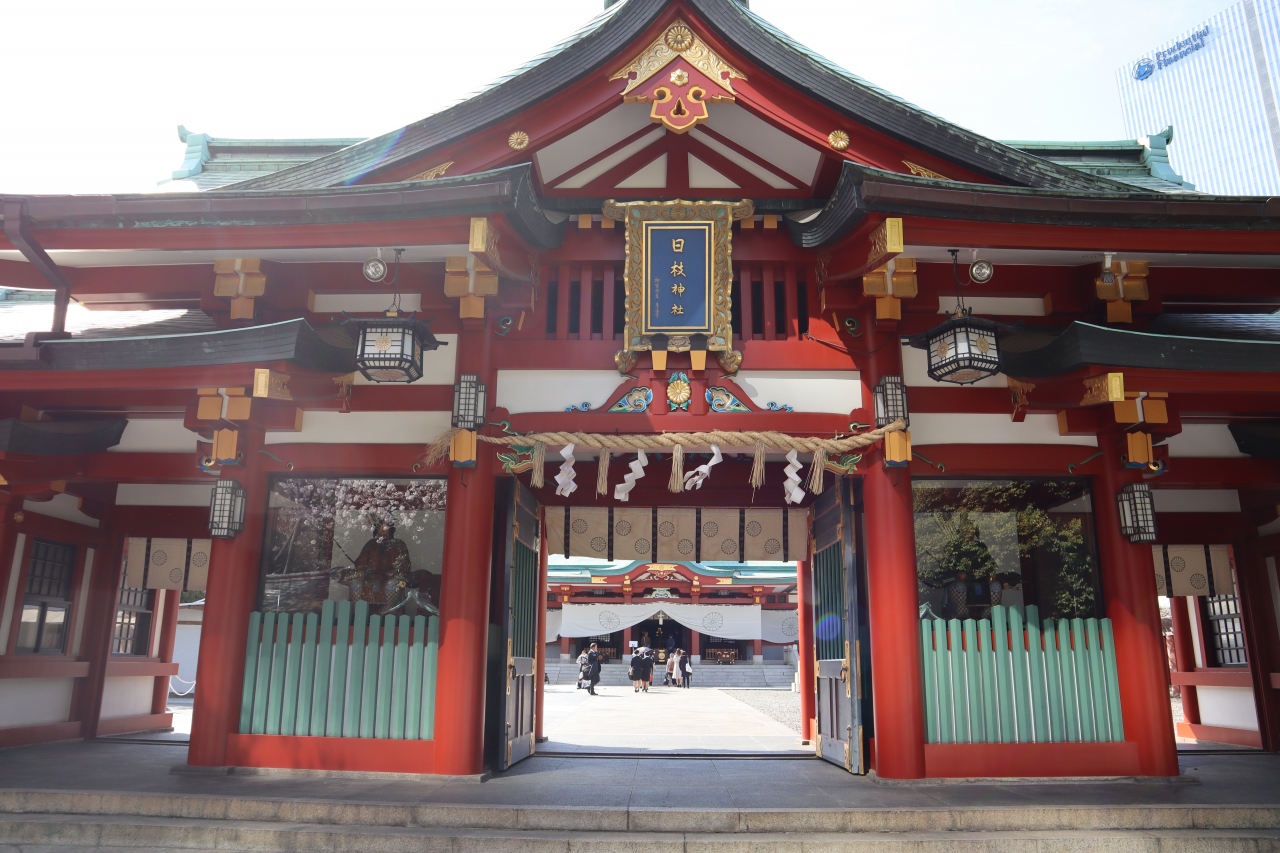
(211, 162)
(1141, 163)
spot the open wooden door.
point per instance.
(836, 629)
(523, 600)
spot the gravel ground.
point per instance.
(782, 705)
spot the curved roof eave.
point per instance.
(600, 42)
(862, 190)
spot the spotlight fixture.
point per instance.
(1108, 277)
(981, 271)
(375, 269)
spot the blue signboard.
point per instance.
(677, 278)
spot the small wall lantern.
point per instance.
(226, 510)
(1137, 513)
(890, 396)
(469, 402)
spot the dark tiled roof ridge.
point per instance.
(598, 43)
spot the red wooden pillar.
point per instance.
(757, 650)
(564, 647)
(539, 681)
(168, 633)
(1129, 590)
(464, 587)
(1262, 646)
(229, 599)
(805, 648)
(10, 560)
(1184, 655)
(99, 624)
(695, 643)
(892, 597)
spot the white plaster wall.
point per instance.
(554, 390)
(163, 494)
(127, 697)
(945, 428)
(1211, 440)
(836, 392)
(62, 506)
(155, 435)
(1231, 707)
(365, 428)
(186, 654)
(35, 701)
(1196, 500)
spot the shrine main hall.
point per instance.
(680, 326)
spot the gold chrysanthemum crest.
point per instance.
(678, 40)
(518, 141)
(838, 139)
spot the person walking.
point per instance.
(635, 670)
(593, 669)
(582, 671)
(686, 666)
(671, 665)
(645, 670)
(676, 670)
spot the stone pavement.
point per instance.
(666, 720)
(82, 796)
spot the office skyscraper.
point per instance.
(1218, 86)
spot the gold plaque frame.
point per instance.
(721, 214)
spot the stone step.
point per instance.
(779, 676)
(46, 808)
(84, 832)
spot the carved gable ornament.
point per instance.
(678, 75)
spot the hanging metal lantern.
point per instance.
(1137, 513)
(890, 396)
(389, 349)
(226, 510)
(962, 350)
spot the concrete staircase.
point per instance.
(739, 675)
(33, 821)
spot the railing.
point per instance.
(353, 676)
(998, 681)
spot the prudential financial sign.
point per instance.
(1181, 49)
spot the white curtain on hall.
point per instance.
(730, 621)
(780, 626)
(589, 620)
(553, 625)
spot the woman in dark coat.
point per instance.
(593, 669)
(645, 671)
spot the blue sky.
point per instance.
(100, 88)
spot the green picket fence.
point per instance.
(340, 674)
(999, 681)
